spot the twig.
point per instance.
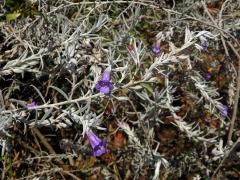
(45, 142)
(85, 98)
(235, 108)
(54, 105)
(53, 170)
(43, 139)
(187, 17)
(221, 12)
(4, 169)
(209, 15)
(225, 157)
(36, 141)
(34, 151)
(224, 45)
(70, 174)
(218, 25)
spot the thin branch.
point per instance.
(45, 142)
(236, 98)
(70, 174)
(225, 158)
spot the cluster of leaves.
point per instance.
(164, 99)
(13, 9)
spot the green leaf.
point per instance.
(12, 16)
(148, 87)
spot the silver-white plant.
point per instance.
(87, 120)
(210, 94)
(133, 139)
(137, 52)
(142, 150)
(163, 59)
(219, 151)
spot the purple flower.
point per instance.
(156, 48)
(224, 111)
(104, 85)
(205, 45)
(33, 105)
(98, 145)
(208, 76)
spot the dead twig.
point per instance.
(51, 171)
(225, 158)
(45, 142)
(236, 98)
(70, 174)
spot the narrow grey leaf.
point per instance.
(60, 91)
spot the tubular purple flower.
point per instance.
(224, 111)
(156, 48)
(32, 105)
(205, 45)
(104, 85)
(106, 75)
(98, 145)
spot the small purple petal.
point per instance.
(156, 49)
(104, 85)
(110, 86)
(98, 86)
(98, 145)
(100, 149)
(208, 76)
(205, 45)
(105, 90)
(32, 105)
(224, 111)
(106, 75)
